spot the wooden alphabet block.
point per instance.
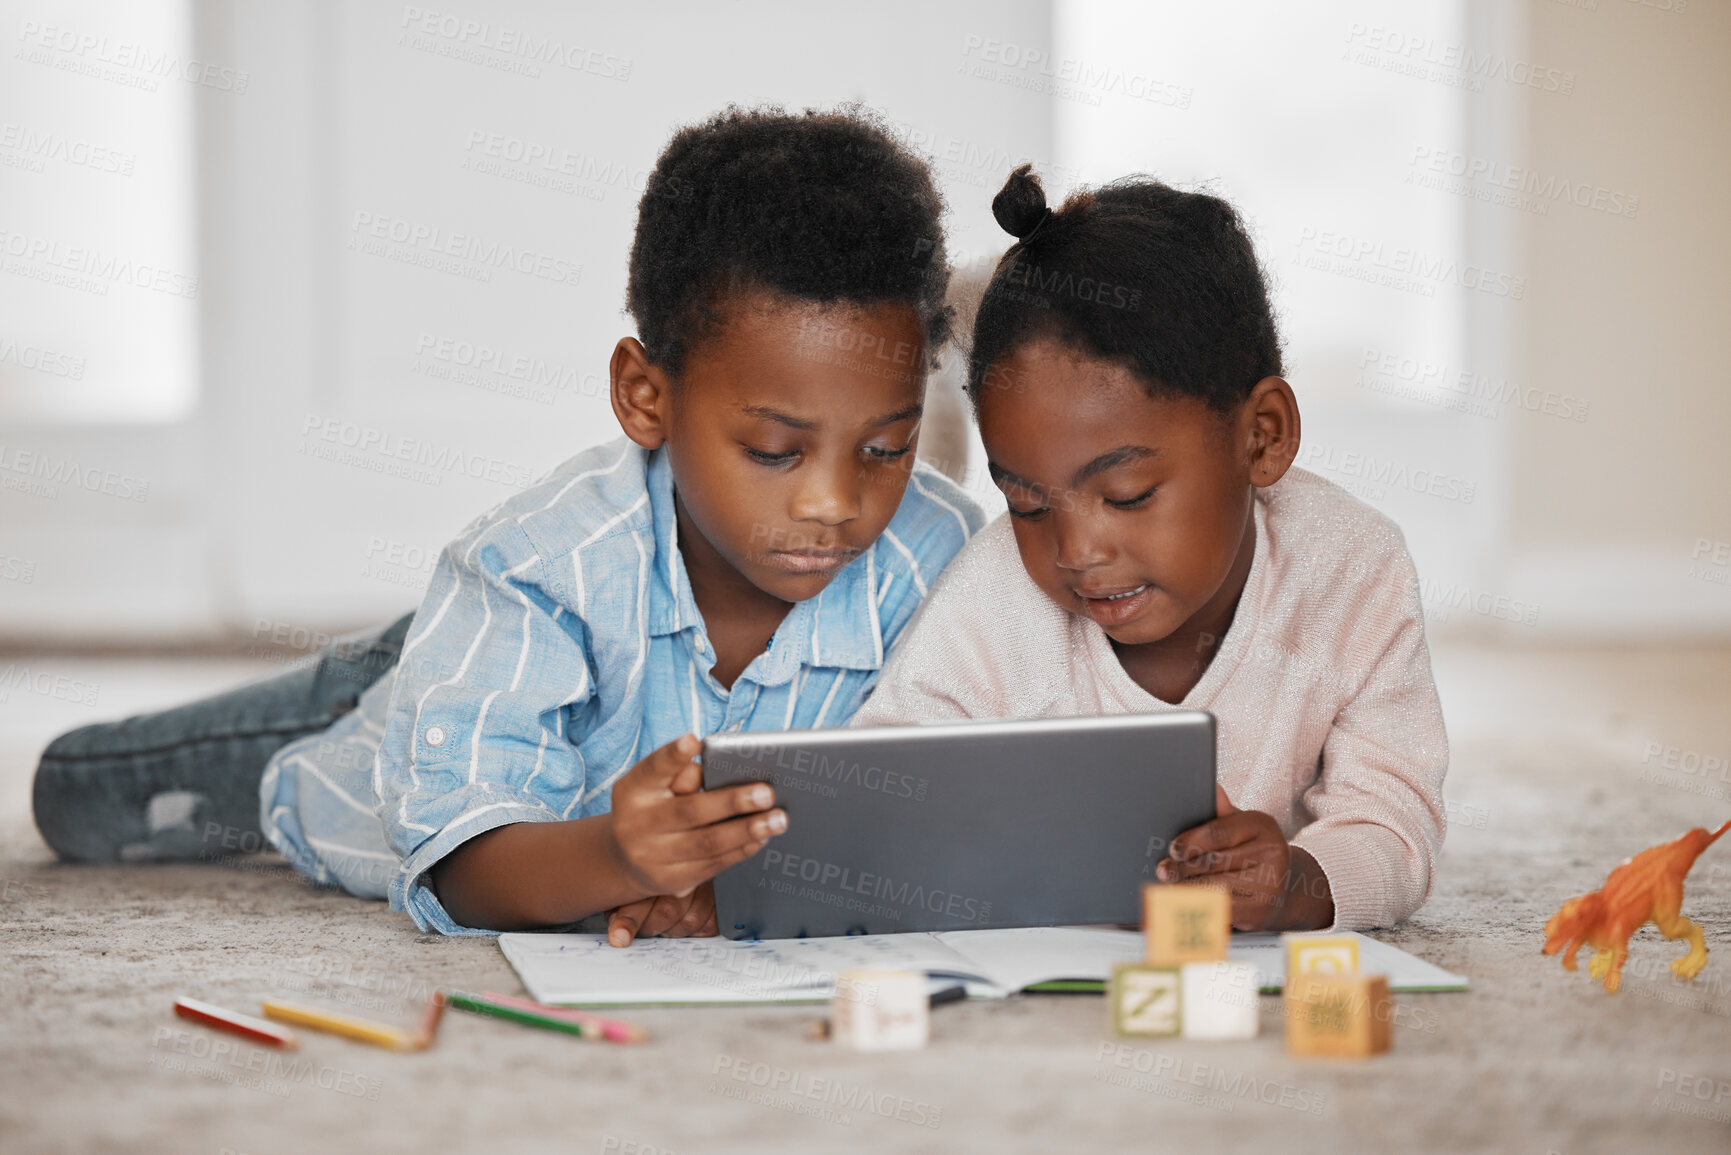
(1145, 1000)
(1185, 922)
(1345, 1016)
(1333, 954)
(1221, 1000)
(880, 1010)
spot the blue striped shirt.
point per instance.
(559, 643)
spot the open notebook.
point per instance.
(583, 970)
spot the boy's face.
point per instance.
(1127, 509)
(791, 434)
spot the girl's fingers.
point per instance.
(1217, 864)
(1234, 829)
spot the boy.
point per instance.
(742, 559)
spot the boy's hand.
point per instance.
(670, 835)
(665, 914)
(1274, 885)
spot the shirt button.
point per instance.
(435, 735)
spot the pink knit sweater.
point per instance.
(1328, 717)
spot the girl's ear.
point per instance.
(1270, 416)
(640, 392)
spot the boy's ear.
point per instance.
(1271, 432)
(640, 393)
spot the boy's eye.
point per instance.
(883, 454)
(768, 458)
(1132, 502)
(1029, 514)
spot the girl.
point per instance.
(1161, 551)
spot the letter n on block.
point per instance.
(1343, 1016)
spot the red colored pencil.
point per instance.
(246, 1026)
(430, 1019)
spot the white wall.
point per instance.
(1321, 120)
(367, 112)
(1622, 523)
(1393, 161)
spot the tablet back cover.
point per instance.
(1054, 822)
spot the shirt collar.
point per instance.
(837, 628)
(671, 606)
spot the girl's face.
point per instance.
(1130, 510)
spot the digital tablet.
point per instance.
(972, 825)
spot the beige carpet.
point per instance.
(1549, 790)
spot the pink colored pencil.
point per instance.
(246, 1026)
(613, 1030)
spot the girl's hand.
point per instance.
(1274, 885)
(665, 914)
(670, 834)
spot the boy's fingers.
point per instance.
(723, 838)
(697, 810)
(689, 780)
(665, 916)
(663, 765)
(714, 866)
(692, 919)
(1222, 804)
(623, 923)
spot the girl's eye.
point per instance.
(1133, 502)
(772, 458)
(888, 454)
(1029, 514)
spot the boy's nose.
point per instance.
(827, 496)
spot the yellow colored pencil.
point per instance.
(378, 1034)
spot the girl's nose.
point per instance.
(1081, 544)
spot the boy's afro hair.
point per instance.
(824, 206)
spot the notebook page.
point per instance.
(583, 970)
(1016, 959)
(1020, 957)
(1405, 972)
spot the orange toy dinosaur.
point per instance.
(1646, 887)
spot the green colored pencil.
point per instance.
(477, 1004)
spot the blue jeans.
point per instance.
(184, 782)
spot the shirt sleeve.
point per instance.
(476, 735)
(1377, 803)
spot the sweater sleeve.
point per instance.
(956, 659)
(1377, 805)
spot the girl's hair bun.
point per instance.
(1020, 206)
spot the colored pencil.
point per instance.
(246, 1026)
(362, 1030)
(613, 1030)
(579, 1023)
(430, 1020)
